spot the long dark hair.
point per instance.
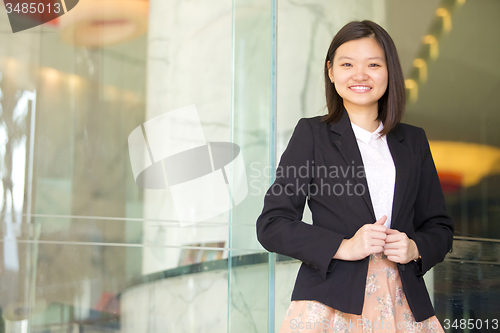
(392, 104)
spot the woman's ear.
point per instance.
(330, 70)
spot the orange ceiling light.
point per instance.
(461, 164)
(97, 23)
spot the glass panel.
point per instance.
(116, 153)
(252, 132)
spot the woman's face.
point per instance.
(359, 73)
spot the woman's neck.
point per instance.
(366, 119)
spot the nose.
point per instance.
(360, 74)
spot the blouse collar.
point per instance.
(366, 136)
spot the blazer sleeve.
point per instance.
(280, 227)
(433, 226)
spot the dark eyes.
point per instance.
(350, 65)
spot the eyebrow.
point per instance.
(346, 57)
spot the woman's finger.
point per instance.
(393, 238)
(377, 249)
(395, 259)
(392, 231)
(392, 246)
(381, 220)
(377, 242)
(393, 252)
(378, 228)
(378, 235)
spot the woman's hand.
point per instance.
(369, 239)
(399, 248)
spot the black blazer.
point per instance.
(322, 163)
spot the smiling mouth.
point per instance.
(360, 88)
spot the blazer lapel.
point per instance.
(344, 139)
(401, 156)
(342, 136)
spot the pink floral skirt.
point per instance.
(385, 308)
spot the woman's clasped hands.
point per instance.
(376, 238)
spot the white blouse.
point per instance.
(379, 169)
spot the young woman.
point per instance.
(379, 218)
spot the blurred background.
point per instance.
(85, 249)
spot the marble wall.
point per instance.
(199, 302)
(189, 62)
(305, 31)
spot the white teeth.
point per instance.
(360, 88)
